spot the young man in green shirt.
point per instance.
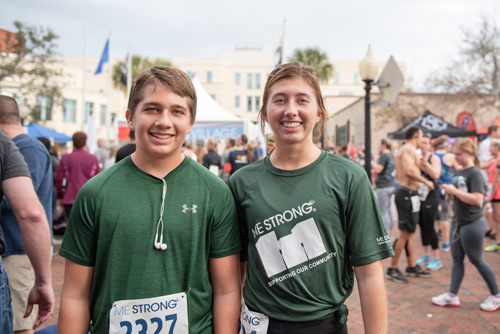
(152, 242)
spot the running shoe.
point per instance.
(492, 248)
(446, 299)
(417, 272)
(445, 247)
(434, 264)
(492, 303)
(424, 260)
(395, 275)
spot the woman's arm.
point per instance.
(372, 295)
(468, 198)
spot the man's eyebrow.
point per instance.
(157, 104)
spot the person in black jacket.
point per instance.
(212, 160)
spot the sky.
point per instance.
(425, 34)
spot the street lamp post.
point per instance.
(368, 70)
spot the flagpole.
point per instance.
(108, 109)
(84, 74)
(129, 72)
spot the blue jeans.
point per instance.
(5, 303)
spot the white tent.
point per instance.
(214, 122)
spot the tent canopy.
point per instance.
(432, 124)
(212, 120)
(37, 131)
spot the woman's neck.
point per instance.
(294, 157)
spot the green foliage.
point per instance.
(317, 60)
(30, 65)
(138, 64)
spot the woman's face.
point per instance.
(292, 111)
(494, 150)
(463, 158)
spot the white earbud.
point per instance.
(159, 243)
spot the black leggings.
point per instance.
(428, 214)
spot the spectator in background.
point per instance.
(430, 167)
(15, 260)
(493, 194)
(442, 146)
(18, 189)
(269, 143)
(484, 157)
(342, 151)
(239, 157)
(384, 183)
(126, 149)
(102, 152)
(74, 170)
(187, 150)
(212, 160)
(225, 154)
(469, 227)
(200, 152)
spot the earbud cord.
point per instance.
(161, 214)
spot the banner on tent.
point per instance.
(219, 132)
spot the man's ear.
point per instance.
(130, 119)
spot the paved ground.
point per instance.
(409, 306)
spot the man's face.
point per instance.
(161, 123)
(419, 135)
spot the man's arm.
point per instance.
(372, 295)
(35, 235)
(225, 275)
(74, 314)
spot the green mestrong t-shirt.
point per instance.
(113, 225)
(302, 233)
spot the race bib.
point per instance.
(415, 203)
(252, 322)
(214, 169)
(166, 314)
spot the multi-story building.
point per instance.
(235, 80)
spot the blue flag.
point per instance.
(104, 58)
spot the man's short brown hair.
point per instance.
(9, 111)
(79, 139)
(174, 79)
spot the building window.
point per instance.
(89, 109)
(346, 93)
(257, 103)
(249, 104)
(336, 78)
(249, 80)
(212, 96)
(103, 114)
(44, 108)
(191, 74)
(257, 80)
(356, 78)
(69, 111)
(209, 77)
(237, 101)
(113, 116)
(237, 78)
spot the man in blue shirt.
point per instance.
(15, 260)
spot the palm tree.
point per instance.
(138, 64)
(317, 60)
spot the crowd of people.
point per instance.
(249, 237)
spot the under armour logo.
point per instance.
(185, 208)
